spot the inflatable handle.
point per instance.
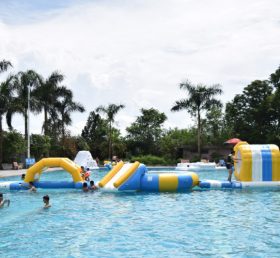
(111, 174)
(127, 174)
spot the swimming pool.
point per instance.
(199, 223)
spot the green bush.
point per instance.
(150, 160)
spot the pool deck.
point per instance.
(19, 172)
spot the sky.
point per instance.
(137, 52)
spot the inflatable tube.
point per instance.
(65, 163)
(126, 175)
(168, 182)
(224, 185)
(111, 174)
(19, 185)
(257, 163)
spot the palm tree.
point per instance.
(46, 96)
(4, 65)
(6, 99)
(22, 81)
(65, 106)
(200, 98)
(110, 111)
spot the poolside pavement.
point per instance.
(19, 172)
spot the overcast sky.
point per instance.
(137, 52)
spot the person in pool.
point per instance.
(82, 172)
(3, 201)
(22, 177)
(87, 175)
(92, 186)
(32, 188)
(85, 187)
(46, 200)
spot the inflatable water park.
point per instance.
(255, 167)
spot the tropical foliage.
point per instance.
(253, 115)
(199, 98)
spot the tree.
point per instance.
(200, 98)
(23, 80)
(95, 134)
(4, 65)
(46, 95)
(173, 140)
(144, 134)
(274, 78)
(275, 105)
(65, 106)
(14, 145)
(250, 114)
(110, 111)
(6, 102)
(40, 146)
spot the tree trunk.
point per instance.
(45, 121)
(198, 134)
(1, 143)
(25, 125)
(110, 141)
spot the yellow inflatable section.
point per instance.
(64, 163)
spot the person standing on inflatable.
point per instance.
(230, 165)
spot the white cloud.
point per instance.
(137, 52)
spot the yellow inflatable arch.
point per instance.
(64, 163)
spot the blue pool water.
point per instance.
(197, 224)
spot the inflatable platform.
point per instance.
(123, 177)
(255, 167)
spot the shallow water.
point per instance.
(197, 224)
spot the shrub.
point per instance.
(150, 160)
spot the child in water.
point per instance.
(87, 175)
(92, 186)
(2, 201)
(46, 200)
(32, 188)
(85, 187)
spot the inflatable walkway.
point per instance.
(34, 172)
(256, 167)
(135, 177)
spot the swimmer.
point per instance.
(85, 187)
(32, 188)
(92, 186)
(22, 177)
(87, 175)
(82, 172)
(46, 200)
(2, 201)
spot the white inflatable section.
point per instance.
(84, 158)
(256, 163)
(6, 185)
(198, 166)
(109, 185)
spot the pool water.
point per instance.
(196, 224)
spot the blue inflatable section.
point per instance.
(134, 182)
(220, 185)
(184, 182)
(266, 165)
(150, 183)
(46, 185)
